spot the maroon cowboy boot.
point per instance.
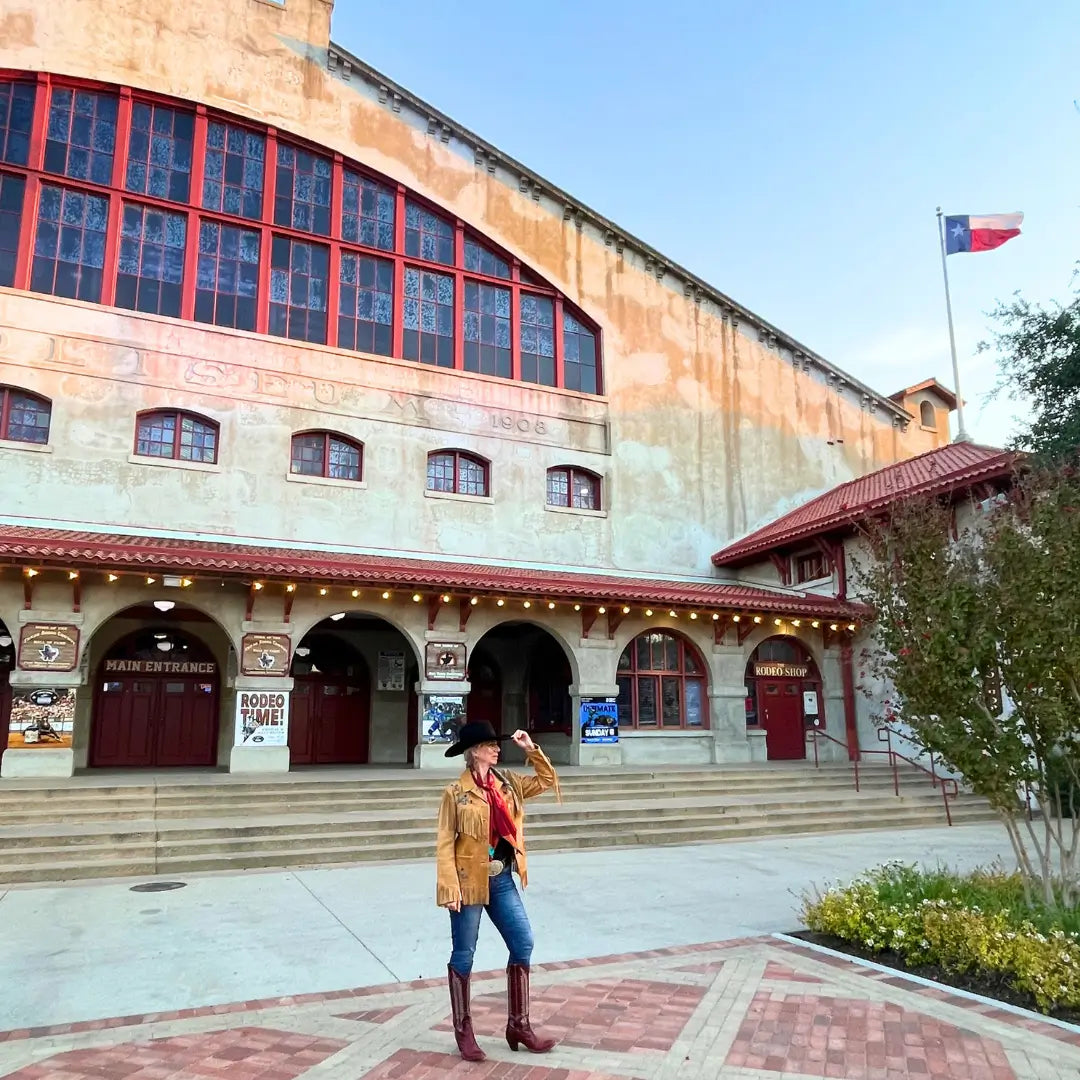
(518, 1028)
(459, 1005)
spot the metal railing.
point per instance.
(950, 789)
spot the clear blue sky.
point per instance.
(791, 153)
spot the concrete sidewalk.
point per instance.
(85, 952)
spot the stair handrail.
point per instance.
(950, 788)
(817, 733)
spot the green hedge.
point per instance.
(975, 923)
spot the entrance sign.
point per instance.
(443, 716)
(48, 647)
(262, 719)
(159, 667)
(42, 719)
(265, 654)
(445, 661)
(391, 674)
(599, 720)
(775, 670)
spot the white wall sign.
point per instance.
(809, 703)
(391, 675)
(262, 718)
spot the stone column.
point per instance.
(727, 705)
(250, 757)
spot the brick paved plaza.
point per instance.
(752, 1008)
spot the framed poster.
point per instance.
(265, 654)
(41, 719)
(443, 716)
(445, 661)
(599, 720)
(391, 672)
(262, 719)
(48, 647)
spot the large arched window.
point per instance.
(661, 684)
(24, 417)
(224, 222)
(323, 453)
(182, 436)
(573, 487)
(458, 473)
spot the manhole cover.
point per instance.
(159, 886)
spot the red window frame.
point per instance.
(329, 438)
(810, 566)
(461, 457)
(179, 416)
(661, 678)
(6, 394)
(521, 279)
(573, 474)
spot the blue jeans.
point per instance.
(506, 911)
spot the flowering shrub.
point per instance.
(934, 919)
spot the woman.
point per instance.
(480, 841)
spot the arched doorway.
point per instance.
(354, 694)
(520, 677)
(331, 703)
(662, 684)
(156, 702)
(783, 696)
(7, 662)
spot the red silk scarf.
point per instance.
(501, 823)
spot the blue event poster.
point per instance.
(600, 721)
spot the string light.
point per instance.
(256, 585)
(602, 610)
(528, 603)
(757, 619)
(356, 593)
(73, 575)
(323, 591)
(851, 627)
(815, 624)
(778, 622)
(111, 578)
(150, 580)
(500, 603)
(693, 614)
(474, 601)
(30, 573)
(446, 598)
(185, 583)
(290, 588)
(386, 596)
(715, 617)
(834, 628)
(672, 613)
(416, 598)
(551, 605)
(736, 618)
(577, 607)
(648, 613)
(796, 622)
(626, 610)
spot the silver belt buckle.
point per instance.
(495, 867)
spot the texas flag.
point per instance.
(980, 232)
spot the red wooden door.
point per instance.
(485, 696)
(780, 710)
(330, 722)
(148, 723)
(300, 723)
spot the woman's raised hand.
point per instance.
(524, 740)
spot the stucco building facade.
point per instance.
(325, 422)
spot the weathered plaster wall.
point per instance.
(704, 428)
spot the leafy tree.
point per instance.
(1039, 356)
(979, 635)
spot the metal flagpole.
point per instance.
(961, 431)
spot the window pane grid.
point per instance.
(198, 441)
(537, 339)
(457, 473)
(12, 189)
(344, 463)
(156, 162)
(179, 436)
(69, 246)
(487, 329)
(16, 120)
(227, 276)
(81, 137)
(428, 236)
(26, 418)
(160, 151)
(366, 304)
(660, 684)
(308, 454)
(558, 487)
(150, 273)
(440, 472)
(298, 276)
(302, 195)
(428, 317)
(234, 170)
(157, 436)
(367, 216)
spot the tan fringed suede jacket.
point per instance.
(461, 848)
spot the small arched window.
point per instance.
(458, 473)
(182, 436)
(661, 683)
(927, 417)
(572, 487)
(24, 417)
(324, 453)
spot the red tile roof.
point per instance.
(111, 551)
(948, 468)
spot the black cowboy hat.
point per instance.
(473, 734)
